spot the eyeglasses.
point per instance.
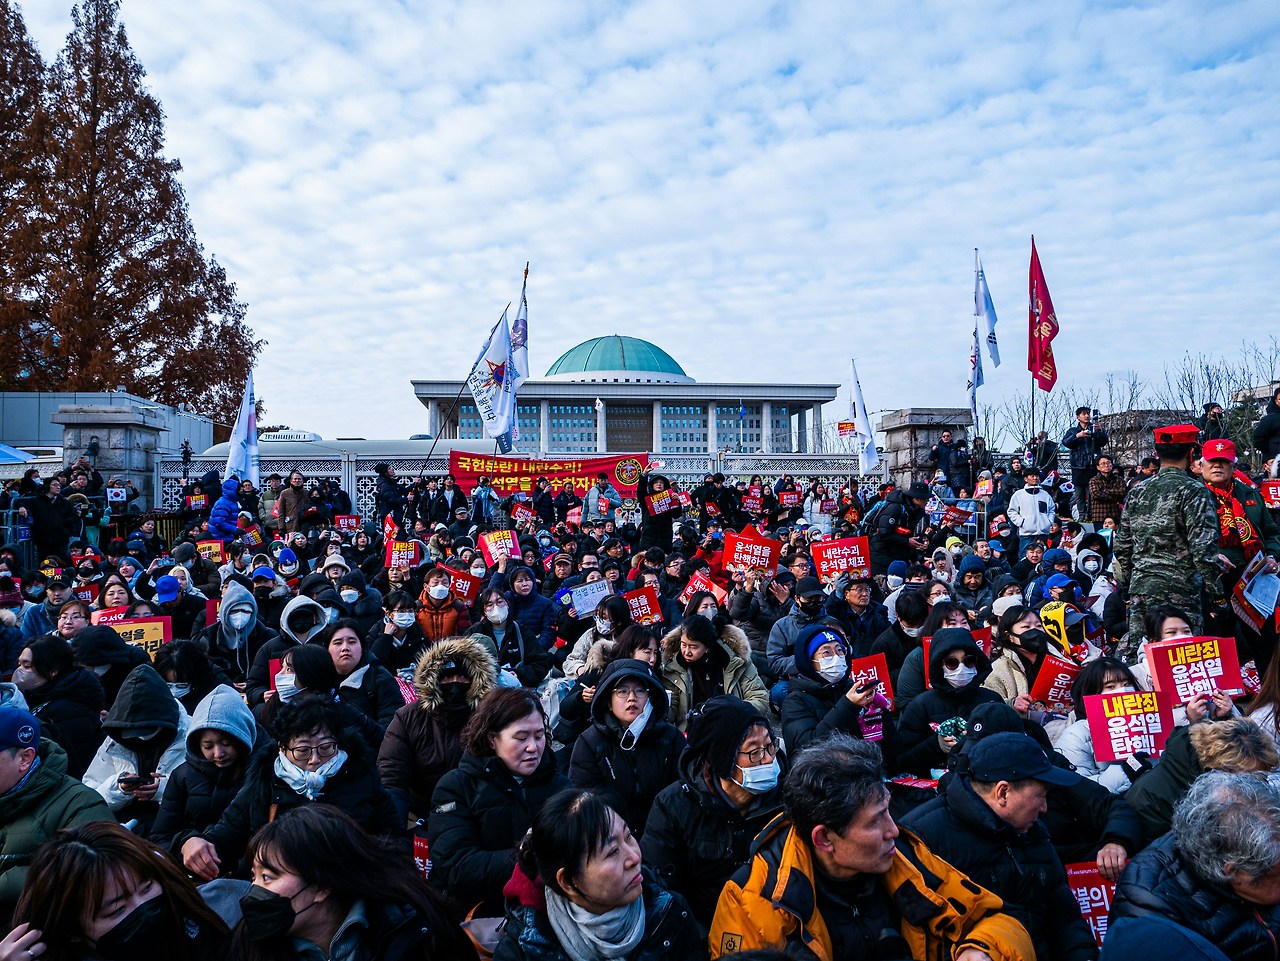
(860, 588)
(624, 693)
(323, 750)
(760, 753)
(953, 663)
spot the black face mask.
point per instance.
(810, 605)
(266, 914)
(1034, 641)
(137, 933)
(262, 593)
(454, 692)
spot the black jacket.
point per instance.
(1022, 868)
(375, 694)
(1084, 450)
(479, 813)
(97, 645)
(70, 712)
(1266, 433)
(1157, 882)
(814, 709)
(655, 529)
(197, 795)
(396, 657)
(630, 779)
(696, 837)
(1155, 794)
(895, 524)
(895, 646)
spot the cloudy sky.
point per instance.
(763, 189)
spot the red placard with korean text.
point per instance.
(1053, 683)
(956, 516)
(985, 488)
(685, 499)
(196, 502)
(789, 499)
(388, 528)
(750, 553)
(1093, 894)
(347, 523)
(875, 667)
(1185, 667)
(644, 606)
(828, 506)
(1125, 723)
(465, 587)
(753, 504)
(662, 502)
(846, 428)
(495, 544)
(699, 581)
(851, 554)
(403, 553)
(1270, 490)
(85, 592)
(108, 615)
(211, 607)
(521, 512)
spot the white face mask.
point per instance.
(761, 779)
(179, 690)
(498, 614)
(331, 614)
(403, 619)
(831, 668)
(1123, 689)
(893, 581)
(477, 571)
(603, 627)
(438, 592)
(349, 596)
(912, 631)
(938, 600)
(285, 687)
(239, 619)
(961, 676)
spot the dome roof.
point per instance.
(615, 353)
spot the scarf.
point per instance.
(310, 784)
(1234, 526)
(595, 937)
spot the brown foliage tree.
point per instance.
(130, 299)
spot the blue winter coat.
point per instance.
(222, 520)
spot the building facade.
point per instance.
(646, 403)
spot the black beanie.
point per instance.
(717, 728)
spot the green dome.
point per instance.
(613, 353)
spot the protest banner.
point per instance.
(108, 615)
(522, 513)
(662, 502)
(196, 502)
(211, 551)
(1185, 667)
(875, 667)
(465, 586)
(698, 581)
(586, 597)
(846, 428)
(1093, 894)
(511, 474)
(85, 592)
(985, 488)
(753, 504)
(755, 490)
(148, 633)
(789, 499)
(750, 553)
(1124, 723)
(993, 529)
(956, 516)
(1250, 677)
(852, 554)
(644, 606)
(685, 499)
(211, 607)
(497, 544)
(1270, 490)
(347, 523)
(403, 554)
(388, 528)
(828, 506)
(574, 517)
(1053, 683)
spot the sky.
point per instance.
(762, 189)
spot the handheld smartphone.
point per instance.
(135, 780)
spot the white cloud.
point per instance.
(760, 189)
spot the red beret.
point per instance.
(1219, 450)
(1177, 434)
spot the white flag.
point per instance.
(490, 385)
(599, 406)
(985, 310)
(975, 376)
(868, 456)
(520, 337)
(242, 452)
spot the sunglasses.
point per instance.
(953, 662)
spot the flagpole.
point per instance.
(454, 407)
(1031, 306)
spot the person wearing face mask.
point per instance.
(363, 683)
(238, 635)
(911, 609)
(424, 739)
(363, 603)
(66, 698)
(102, 651)
(517, 650)
(101, 891)
(397, 641)
(219, 742)
(271, 594)
(186, 668)
(806, 610)
(146, 737)
(302, 617)
(535, 614)
(440, 615)
(957, 668)
(701, 661)
(629, 752)
(824, 698)
(41, 619)
(612, 617)
(1021, 647)
(701, 827)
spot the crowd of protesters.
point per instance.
(333, 756)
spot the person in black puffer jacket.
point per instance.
(1266, 433)
(535, 614)
(301, 619)
(219, 743)
(363, 683)
(1214, 873)
(364, 603)
(630, 751)
(701, 827)
(67, 699)
(957, 690)
(986, 824)
(98, 646)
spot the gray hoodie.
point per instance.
(223, 709)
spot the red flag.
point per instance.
(1042, 327)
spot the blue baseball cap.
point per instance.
(167, 589)
(264, 573)
(18, 729)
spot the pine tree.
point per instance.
(132, 300)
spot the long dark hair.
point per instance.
(1269, 696)
(69, 875)
(566, 831)
(1093, 678)
(326, 848)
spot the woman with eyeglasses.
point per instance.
(933, 723)
(629, 752)
(730, 786)
(317, 759)
(824, 698)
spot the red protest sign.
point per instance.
(852, 554)
(1125, 723)
(644, 606)
(699, 581)
(407, 690)
(347, 523)
(956, 516)
(750, 553)
(983, 636)
(873, 668)
(846, 428)
(993, 529)
(684, 498)
(1270, 490)
(1189, 666)
(496, 544)
(388, 528)
(521, 513)
(85, 592)
(986, 488)
(574, 517)
(789, 499)
(1252, 679)
(253, 536)
(662, 502)
(108, 615)
(828, 506)
(421, 852)
(196, 502)
(274, 666)
(211, 551)
(1053, 683)
(465, 587)
(402, 554)
(211, 607)
(1093, 894)
(753, 504)
(755, 490)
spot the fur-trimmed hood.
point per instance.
(471, 654)
(732, 639)
(598, 656)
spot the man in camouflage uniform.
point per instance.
(1167, 547)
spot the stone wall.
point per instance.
(128, 438)
(909, 435)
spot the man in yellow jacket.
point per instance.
(833, 876)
